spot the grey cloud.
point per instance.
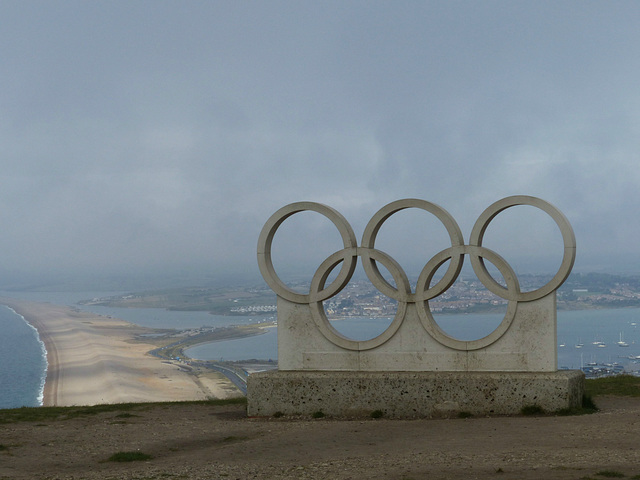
(150, 134)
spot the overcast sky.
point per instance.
(158, 136)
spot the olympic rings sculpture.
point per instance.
(402, 293)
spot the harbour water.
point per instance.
(597, 331)
(585, 337)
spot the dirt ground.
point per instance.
(220, 442)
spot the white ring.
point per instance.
(266, 238)
(568, 237)
(320, 317)
(402, 291)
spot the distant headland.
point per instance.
(580, 292)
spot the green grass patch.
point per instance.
(44, 414)
(49, 414)
(318, 414)
(588, 403)
(587, 407)
(619, 385)
(610, 474)
(465, 415)
(233, 438)
(377, 414)
(129, 457)
(126, 415)
(532, 410)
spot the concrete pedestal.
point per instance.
(411, 394)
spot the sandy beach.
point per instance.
(94, 360)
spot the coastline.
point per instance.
(95, 360)
(4, 402)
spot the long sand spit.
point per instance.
(94, 359)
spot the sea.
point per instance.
(23, 362)
(585, 337)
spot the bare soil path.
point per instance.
(220, 442)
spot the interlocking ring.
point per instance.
(371, 232)
(320, 318)
(348, 253)
(402, 291)
(568, 238)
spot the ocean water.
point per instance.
(22, 362)
(23, 358)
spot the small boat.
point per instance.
(622, 343)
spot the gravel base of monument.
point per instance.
(411, 394)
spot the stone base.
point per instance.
(411, 394)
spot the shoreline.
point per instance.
(93, 359)
(51, 353)
(45, 353)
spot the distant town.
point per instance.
(360, 298)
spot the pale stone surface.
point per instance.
(529, 344)
(414, 368)
(524, 341)
(411, 394)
